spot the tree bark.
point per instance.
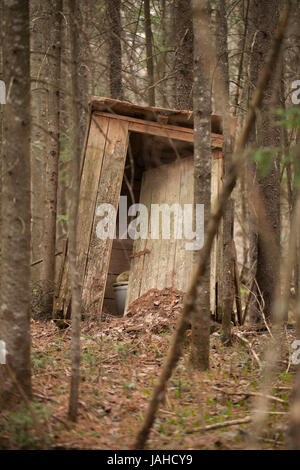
(263, 19)
(38, 66)
(83, 69)
(222, 93)
(183, 67)
(149, 53)
(115, 52)
(15, 270)
(1, 116)
(200, 318)
(74, 275)
(52, 157)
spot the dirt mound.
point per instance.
(166, 301)
(154, 312)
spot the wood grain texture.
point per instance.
(216, 184)
(180, 118)
(91, 170)
(184, 259)
(109, 186)
(140, 245)
(169, 264)
(168, 131)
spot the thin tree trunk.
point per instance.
(65, 126)
(38, 66)
(294, 429)
(162, 60)
(149, 52)
(183, 44)
(200, 318)
(74, 276)
(227, 289)
(1, 116)
(115, 48)
(241, 61)
(83, 77)
(52, 157)
(15, 270)
(263, 19)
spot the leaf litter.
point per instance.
(120, 363)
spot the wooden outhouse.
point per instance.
(146, 154)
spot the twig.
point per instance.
(232, 422)
(250, 347)
(225, 424)
(262, 308)
(41, 260)
(250, 394)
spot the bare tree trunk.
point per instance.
(149, 52)
(52, 157)
(115, 52)
(83, 72)
(162, 59)
(15, 294)
(65, 126)
(294, 430)
(183, 31)
(226, 299)
(202, 173)
(242, 52)
(74, 276)
(263, 19)
(1, 117)
(38, 66)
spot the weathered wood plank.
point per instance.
(176, 117)
(173, 196)
(91, 161)
(190, 259)
(161, 257)
(108, 192)
(149, 277)
(88, 188)
(184, 257)
(216, 184)
(140, 245)
(146, 128)
(164, 130)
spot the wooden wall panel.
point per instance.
(216, 252)
(173, 196)
(148, 280)
(183, 257)
(91, 170)
(169, 264)
(108, 192)
(139, 247)
(88, 188)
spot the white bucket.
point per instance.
(120, 292)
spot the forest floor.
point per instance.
(120, 363)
